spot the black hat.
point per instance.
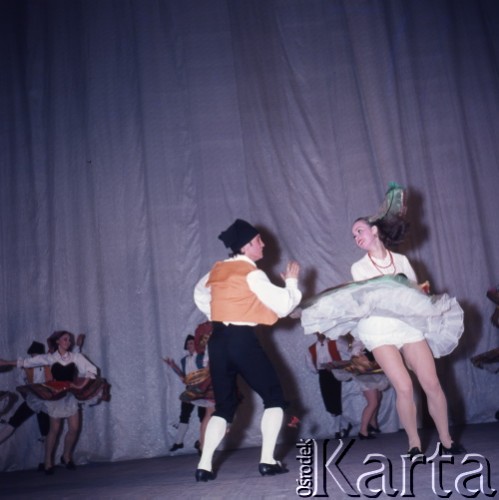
(189, 337)
(238, 234)
(36, 348)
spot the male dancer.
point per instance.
(322, 357)
(191, 362)
(236, 296)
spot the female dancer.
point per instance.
(394, 343)
(65, 367)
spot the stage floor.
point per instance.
(238, 477)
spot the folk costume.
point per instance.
(198, 386)
(384, 305)
(61, 400)
(389, 310)
(63, 393)
(236, 296)
(189, 364)
(74, 381)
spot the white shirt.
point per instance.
(190, 363)
(364, 269)
(85, 368)
(38, 376)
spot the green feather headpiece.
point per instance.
(394, 204)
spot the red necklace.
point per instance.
(381, 268)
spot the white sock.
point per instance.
(271, 426)
(182, 429)
(215, 432)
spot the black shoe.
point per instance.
(455, 449)
(344, 433)
(364, 436)
(272, 469)
(197, 445)
(204, 475)
(371, 428)
(414, 452)
(70, 465)
(50, 471)
(177, 446)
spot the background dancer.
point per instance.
(371, 384)
(70, 372)
(322, 356)
(33, 405)
(189, 363)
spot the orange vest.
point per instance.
(231, 298)
(333, 351)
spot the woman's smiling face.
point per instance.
(64, 342)
(364, 234)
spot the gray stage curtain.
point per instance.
(134, 131)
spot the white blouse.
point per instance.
(85, 368)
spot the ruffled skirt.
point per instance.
(61, 400)
(198, 390)
(7, 401)
(387, 310)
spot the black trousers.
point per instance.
(24, 412)
(186, 410)
(331, 392)
(235, 350)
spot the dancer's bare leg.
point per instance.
(420, 359)
(374, 418)
(391, 362)
(369, 410)
(71, 436)
(55, 427)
